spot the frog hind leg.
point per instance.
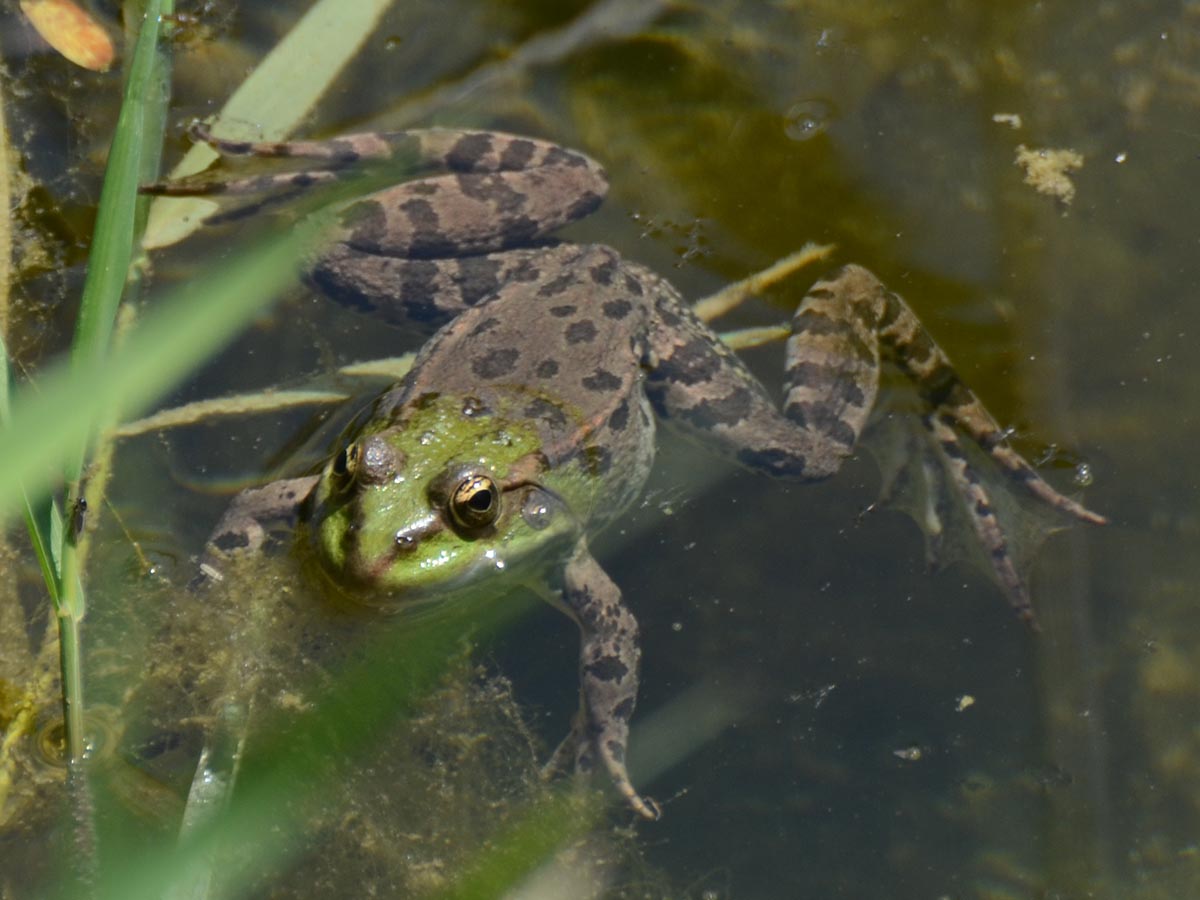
(841, 331)
(523, 178)
(608, 676)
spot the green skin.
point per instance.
(429, 556)
(528, 419)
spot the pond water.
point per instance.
(846, 723)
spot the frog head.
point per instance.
(433, 501)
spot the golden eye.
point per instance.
(345, 464)
(475, 503)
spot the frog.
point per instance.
(527, 422)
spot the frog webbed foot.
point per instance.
(579, 753)
(608, 674)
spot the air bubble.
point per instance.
(807, 119)
(1083, 475)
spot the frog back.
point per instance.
(562, 349)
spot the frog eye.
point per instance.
(475, 503)
(345, 464)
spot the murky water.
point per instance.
(733, 133)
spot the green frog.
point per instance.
(527, 422)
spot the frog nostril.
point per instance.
(406, 543)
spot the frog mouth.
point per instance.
(370, 589)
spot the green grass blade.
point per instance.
(42, 519)
(175, 338)
(112, 241)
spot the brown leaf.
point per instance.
(72, 32)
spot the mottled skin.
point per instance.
(527, 421)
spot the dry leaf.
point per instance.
(72, 32)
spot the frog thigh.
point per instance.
(699, 385)
(608, 670)
(425, 292)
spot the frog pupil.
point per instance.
(481, 500)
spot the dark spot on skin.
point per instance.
(940, 385)
(811, 322)
(920, 348)
(668, 316)
(561, 312)
(604, 272)
(518, 230)
(468, 151)
(601, 380)
(496, 191)
(774, 461)
(478, 278)
(616, 751)
(485, 326)
(560, 156)
(691, 363)
(581, 332)
(547, 368)
(429, 239)
(620, 417)
(419, 292)
(585, 205)
(633, 285)
(524, 271)
(422, 188)
(728, 410)
(1022, 475)
(556, 286)
(343, 291)
(623, 710)
(546, 411)
(833, 386)
(495, 363)
(516, 155)
(303, 180)
(607, 668)
(617, 309)
(823, 420)
(231, 541)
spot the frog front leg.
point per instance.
(841, 332)
(248, 522)
(608, 675)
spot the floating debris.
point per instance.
(1046, 171)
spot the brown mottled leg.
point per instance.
(988, 530)
(246, 525)
(608, 669)
(841, 332)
